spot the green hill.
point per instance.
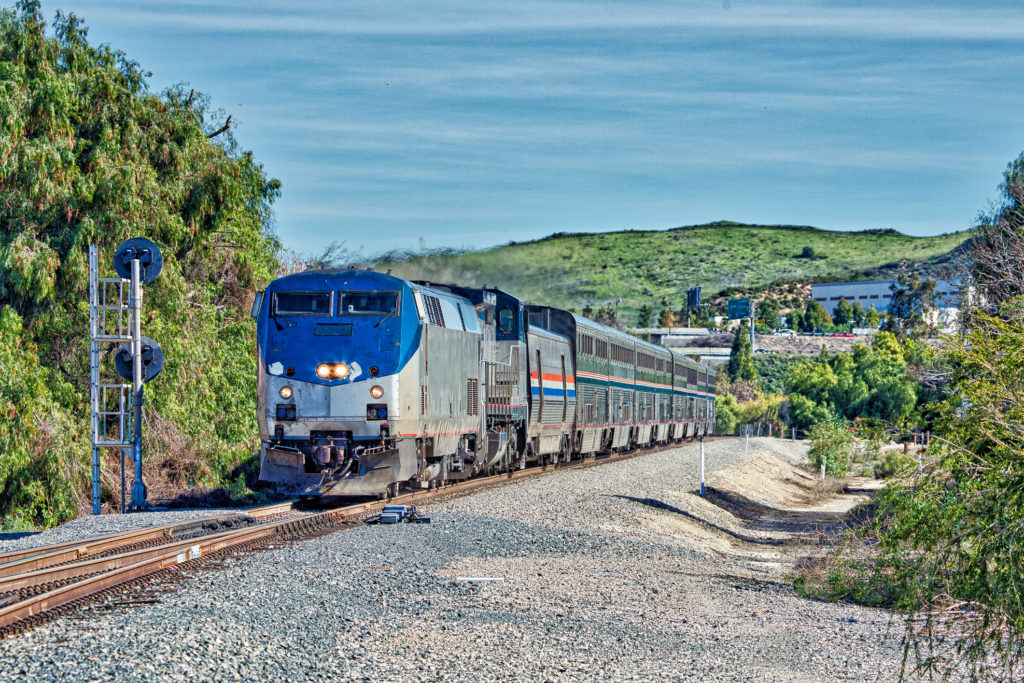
(573, 270)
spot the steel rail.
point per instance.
(21, 561)
(131, 566)
(94, 576)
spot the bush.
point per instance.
(893, 463)
(831, 444)
(726, 412)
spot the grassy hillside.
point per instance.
(648, 266)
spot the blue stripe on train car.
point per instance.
(552, 392)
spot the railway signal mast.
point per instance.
(693, 303)
(115, 315)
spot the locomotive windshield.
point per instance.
(368, 303)
(302, 303)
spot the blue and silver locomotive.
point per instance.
(368, 382)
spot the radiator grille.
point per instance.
(424, 406)
(473, 397)
(433, 306)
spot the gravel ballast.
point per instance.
(583, 587)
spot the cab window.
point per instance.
(368, 303)
(302, 303)
(506, 320)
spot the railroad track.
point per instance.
(41, 583)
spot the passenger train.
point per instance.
(369, 383)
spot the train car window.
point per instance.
(368, 303)
(302, 303)
(506, 320)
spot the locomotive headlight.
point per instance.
(323, 371)
(286, 392)
(376, 391)
(339, 370)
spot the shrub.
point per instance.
(726, 414)
(831, 444)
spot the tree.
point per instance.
(843, 313)
(870, 382)
(768, 313)
(88, 155)
(741, 362)
(796, 320)
(815, 316)
(644, 316)
(950, 538)
(997, 247)
(911, 305)
(667, 318)
(702, 317)
(859, 315)
(872, 319)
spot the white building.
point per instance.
(877, 293)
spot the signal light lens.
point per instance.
(286, 392)
(376, 391)
(290, 371)
(374, 371)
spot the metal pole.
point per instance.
(94, 373)
(751, 326)
(138, 487)
(823, 470)
(746, 446)
(702, 465)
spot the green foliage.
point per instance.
(893, 463)
(41, 471)
(872, 318)
(644, 316)
(773, 369)
(954, 533)
(947, 539)
(815, 317)
(768, 314)
(844, 314)
(726, 414)
(870, 382)
(89, 155)
(741, 362)
(831, 444)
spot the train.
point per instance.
(369, 383)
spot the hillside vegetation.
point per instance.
(638, 266)
(88, 155)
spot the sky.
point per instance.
(404, 124)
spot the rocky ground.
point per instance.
(617, 572)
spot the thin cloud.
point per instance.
(453, 19)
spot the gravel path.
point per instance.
(589, 591)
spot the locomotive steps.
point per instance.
(599, 584)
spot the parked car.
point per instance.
(786, 332)
(843, 334)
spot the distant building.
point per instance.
(877, 293)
